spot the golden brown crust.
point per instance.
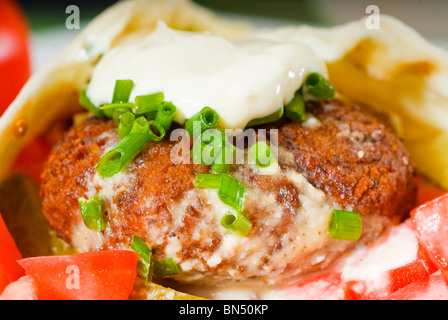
(355, 157)
(155, 205)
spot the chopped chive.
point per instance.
(232, 192)
(117, 113)
(238, 223)
(88, 105)
(202, 153)
(222, 162)
(345, 225)
(295, 109)
(148, 103)
(319, 87)
(166, 267)
(205, 119)
(165, 114)
(125, 124)
(275, 116)
(145, 265)
(261, 154)
(207, 147)
(92, 213)
(155, 130)
(221, 167)
(140, 125)
(122, 91)
(120, 98)
(128, 105)
(121, 154)
(207, 181)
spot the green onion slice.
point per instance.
(165, 114)
(140, 125)
(128, 105)
(121, 154)
(125, 124)
(232, 192)
(275, 116)
(345, 225)
(207, 181)
(88, 105)
(222, 162)
(237, 223)
(92, 213)
(220, 167)
(122, 91)
(166, 267)
(319, 87)
(148, 103)
(145, 265)
(205, 119)
(295, 109)
(117, 113)
(156, 131)
(261, 154)
(207, 147)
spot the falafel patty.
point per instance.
(341, 156)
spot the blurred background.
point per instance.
(429, 17)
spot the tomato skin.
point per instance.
(431, 288)
(390, 276)
(97, 275)
(15, 67)
(431, 224)
(10, 270)
(411, 272)
(427, 191)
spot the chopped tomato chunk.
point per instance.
(98, 275)
(427, 191)
(10, 270)
(431, 223)
(432, 288)
(391, 263)
(402, 276)
(15, 67)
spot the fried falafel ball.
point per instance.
(342, 156)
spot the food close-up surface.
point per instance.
(223, 150)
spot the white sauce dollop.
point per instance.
(240, 80)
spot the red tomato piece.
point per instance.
(427, 191)
(431, 223)
(14, 52)
(421, 268)
(380, 274)
(432, 288)
(98, 275)
(411, 272)
(10, 270)
(26, 288)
